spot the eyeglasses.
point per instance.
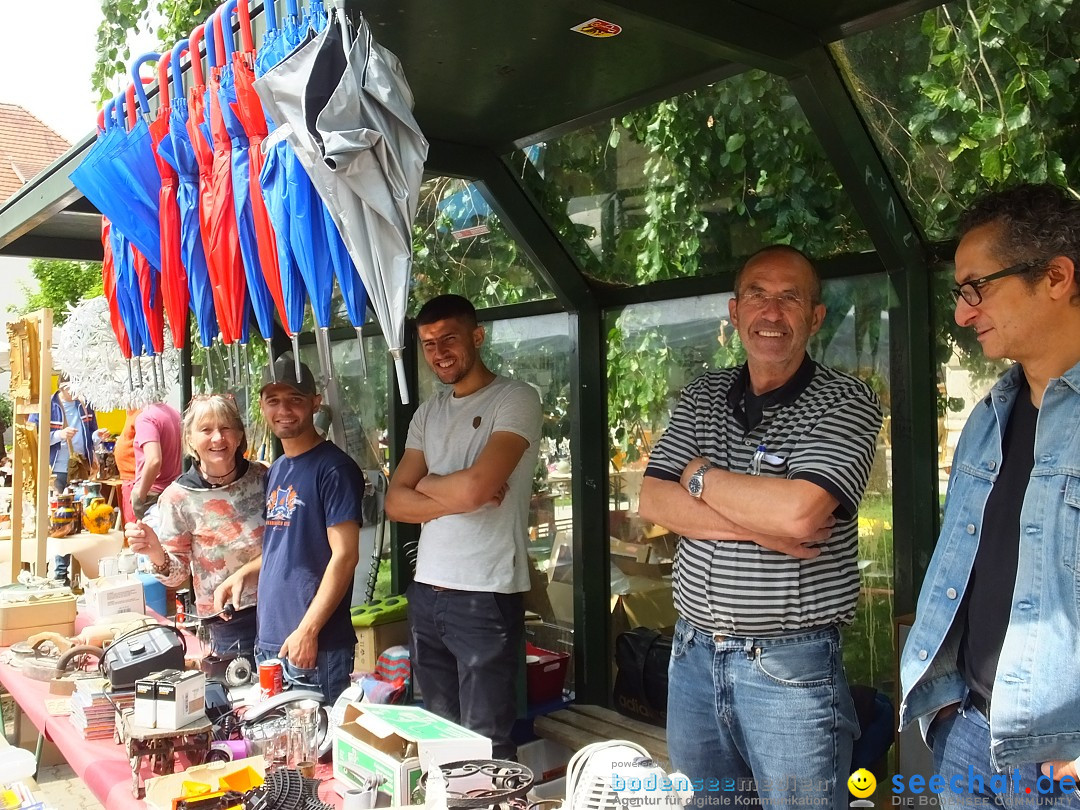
(228, 396)
(759, 299)
(971, 291)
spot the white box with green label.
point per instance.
(398, 744)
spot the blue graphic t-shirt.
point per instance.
(304, 495)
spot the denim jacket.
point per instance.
(1035, 711)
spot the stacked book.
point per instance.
(95, 707)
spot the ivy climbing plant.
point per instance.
(170, 20)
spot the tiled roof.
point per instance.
(26, 147)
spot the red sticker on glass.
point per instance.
(598, 28)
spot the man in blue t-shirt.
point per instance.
(311, 545)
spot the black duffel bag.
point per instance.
(641, 684)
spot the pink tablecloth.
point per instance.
(101, 764)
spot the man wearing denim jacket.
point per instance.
(990, 669)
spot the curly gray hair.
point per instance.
(1037, 221)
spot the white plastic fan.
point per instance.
(608, 775)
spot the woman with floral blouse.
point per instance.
(211, 519)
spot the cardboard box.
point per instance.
(144, 713)
(107, 596)
(398, 743)
(372, 641)
(161, 791)
(181, 699)
(647, 607)
(24, 612)
(561, 597)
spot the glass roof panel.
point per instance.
(692, 185)
(969, 97)
(460, 246)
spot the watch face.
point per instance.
(694, 485)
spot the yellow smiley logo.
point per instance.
(862, 783)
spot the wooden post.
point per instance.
(44, 396)
(33, 397)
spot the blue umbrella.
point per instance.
(177, 151)
(120, 178)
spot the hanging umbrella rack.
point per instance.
(241, 211)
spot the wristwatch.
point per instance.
(696, 485)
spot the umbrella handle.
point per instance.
(293, 8)
(127, 104)
(211, 42)
(225, 22)
(219, 39)
(144, 103)
(270, 13)
(101, 119)
(109, 114)
(163, 79)
(194, 41)
(178, 51)
(243, 13)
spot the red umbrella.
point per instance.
(250, 112)
(224, 251)
(108, 280)
(149, 286)
(199, 133)
(174, 286)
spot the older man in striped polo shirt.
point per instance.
(761, 471)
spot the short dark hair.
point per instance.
(1036, 222)
(442, 307)
(815, 289)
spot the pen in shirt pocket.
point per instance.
(762, 454)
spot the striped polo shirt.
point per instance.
(821, 426)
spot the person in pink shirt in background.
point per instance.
(157, 454)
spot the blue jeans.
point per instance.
(235, 636)
(769, 717)
(960, 740)
(330, 675)
(466, 654)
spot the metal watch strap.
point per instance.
(699, 477)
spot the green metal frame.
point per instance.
(720, 39)
(833, 115)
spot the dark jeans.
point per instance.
(235, 636)
(62, 562)
(466, 654)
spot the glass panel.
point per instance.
(964, 374)
(460, 246)
(691, 185)
(653, 351)
(362, 399)
(966, 97)
(538, 350)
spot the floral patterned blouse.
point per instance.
(211, 532)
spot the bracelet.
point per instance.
(163, 568)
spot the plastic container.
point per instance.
(17, 764)
(153, 594)
(545, 673)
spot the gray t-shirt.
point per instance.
(485, 550)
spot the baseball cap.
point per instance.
(284, 373)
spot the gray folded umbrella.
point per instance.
(345, 109)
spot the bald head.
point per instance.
(786, 256)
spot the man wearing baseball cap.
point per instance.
(312, 541)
